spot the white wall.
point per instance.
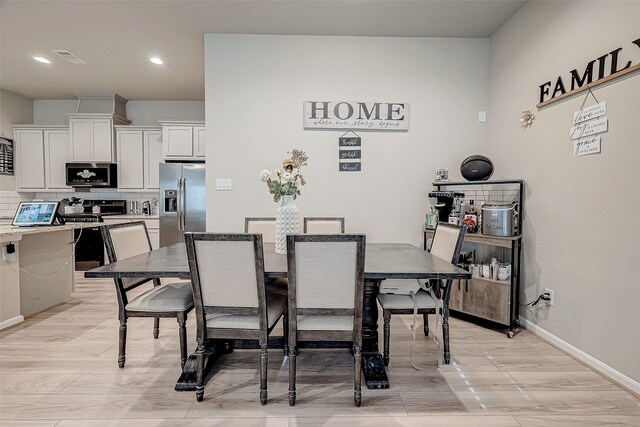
(255, 89)
(580, 237)
(14, 109)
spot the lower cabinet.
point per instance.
(488, 299)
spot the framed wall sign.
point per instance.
(350, 152)
(6, 156)
(388, 116)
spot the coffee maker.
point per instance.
(444, 203)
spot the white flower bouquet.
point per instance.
(286, 181)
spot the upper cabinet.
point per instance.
(139, 153)
(92, 137)
(41, 154)
(92, 127)
(183, 140)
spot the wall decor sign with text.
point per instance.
(589, 128)
(586, 146)
(597, 71)
(350, 153)
(6, 156)
(589, 113)
(390, 116)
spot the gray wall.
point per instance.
(580, 237)
(14, 108)
(255, 89)
(141, 113)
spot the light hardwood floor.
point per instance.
(59, 368)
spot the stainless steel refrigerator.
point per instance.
(182, 201)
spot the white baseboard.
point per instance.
(10, 322)
(602, 368)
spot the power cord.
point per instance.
(545, 297)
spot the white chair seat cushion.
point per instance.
(405, 302)
(325, 323)
(276, 305)
(170, 297)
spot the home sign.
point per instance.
(356, 115)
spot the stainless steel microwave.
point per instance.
(91, 175)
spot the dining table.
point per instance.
(382, 261)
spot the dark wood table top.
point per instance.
(382, 261)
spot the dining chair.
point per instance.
(323, 225)
(446, 244)
(231, 300)
(163, 300)
(267, 227)
(326, 279)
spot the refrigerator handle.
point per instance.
(179, 203)
(183, 207)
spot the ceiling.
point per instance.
(116, 38)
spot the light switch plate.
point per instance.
(482, 116)
(223, 184)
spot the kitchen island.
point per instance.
(36, 269)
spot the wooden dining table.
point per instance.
(382, 261)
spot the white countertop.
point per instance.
(8, 232)
(132, 216)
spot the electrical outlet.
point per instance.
(551, 295)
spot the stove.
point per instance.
(89, 251)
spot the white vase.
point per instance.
(287, 222)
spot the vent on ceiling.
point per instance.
(70, 57)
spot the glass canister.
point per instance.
(431, 220)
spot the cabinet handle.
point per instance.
(466, 285)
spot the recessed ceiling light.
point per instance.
(156, 60)
(41, 59)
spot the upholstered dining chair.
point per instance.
(231, 300)
(264, 226)
(167, 300)
(446, 244)
(326, 279)
(319, 225)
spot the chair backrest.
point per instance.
(227, 275)
(447, 241)
(326, 272)
(318, 225)
(125, 241)
(264, 226)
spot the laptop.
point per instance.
(31, 214)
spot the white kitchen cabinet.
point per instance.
(41, 155)
(183, 140)
(57, 150)
(139, 153)
(199, 141)
(130, 159)
(92, 136)
(152, 158)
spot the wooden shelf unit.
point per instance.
(495, 300)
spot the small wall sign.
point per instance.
(586, 146)
(589, 128)
(350, 153)
(356, 115)
(6, 156)
(590, 113)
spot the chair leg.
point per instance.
(357, 378)
(387, 335)
(264, 361)
(285, 334)
(292, 376)
(425, 320)
(122, 343)
(182, 333)
(156, 327)
(445, 335)
(200, 372)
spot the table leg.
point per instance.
(372, 364)
(187, 381)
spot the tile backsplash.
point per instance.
(9, 200)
